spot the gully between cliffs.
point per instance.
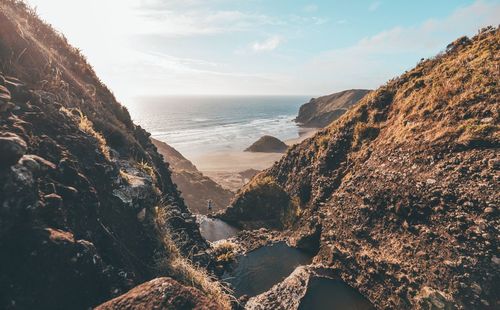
(259, 270)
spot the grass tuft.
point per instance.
(225, 251)
(146, 167)
(86, 126)
(175, 265)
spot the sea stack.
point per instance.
(268, 144)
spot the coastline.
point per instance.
(225, 167)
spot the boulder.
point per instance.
(160, 293)
(429, 298)
(12, 148)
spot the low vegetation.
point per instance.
(86, 125)
(270, 205)
(225, 251)
(146, 167)
(173, 264)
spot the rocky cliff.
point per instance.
(195, 188)
(81, 186)
(402, 190)
(320, 112)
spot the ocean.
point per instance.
(197, 125)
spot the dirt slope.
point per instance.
(404, 187)
(195, 188)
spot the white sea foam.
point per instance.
(196, 125)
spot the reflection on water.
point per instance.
(215, 229)
(259, 270)
(329, 294)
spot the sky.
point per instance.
(259, 47)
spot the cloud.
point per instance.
(171, 23)
(375, 59)
(374, 5)
(269, 44)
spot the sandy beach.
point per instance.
(225, 167)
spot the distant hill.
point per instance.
(320, 112)
(195, 188)
(268, 144)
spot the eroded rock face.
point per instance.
(307, 237)
(322, 111)
(160, 293)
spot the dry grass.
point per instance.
(225, 251)
(125, 176)
(362, 132)
(86, 126)
(146, 167)
(175, 265)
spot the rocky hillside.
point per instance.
(88, 207)
(268, 144)
(401, 193)
(195, 188)
(322, 111)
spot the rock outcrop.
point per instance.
(80, 184)
(292, 293)
(195, 188)
(322, 111)
(405, 185)
(160, 293)
(261, 203)
(268, 144)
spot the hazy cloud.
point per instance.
(267, 45)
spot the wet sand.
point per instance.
(224, 167)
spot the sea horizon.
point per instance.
(201, 124)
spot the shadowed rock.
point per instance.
(160, 293)
(12, 148)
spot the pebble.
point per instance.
(489, 210)
(4, 94)
(476, 288)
